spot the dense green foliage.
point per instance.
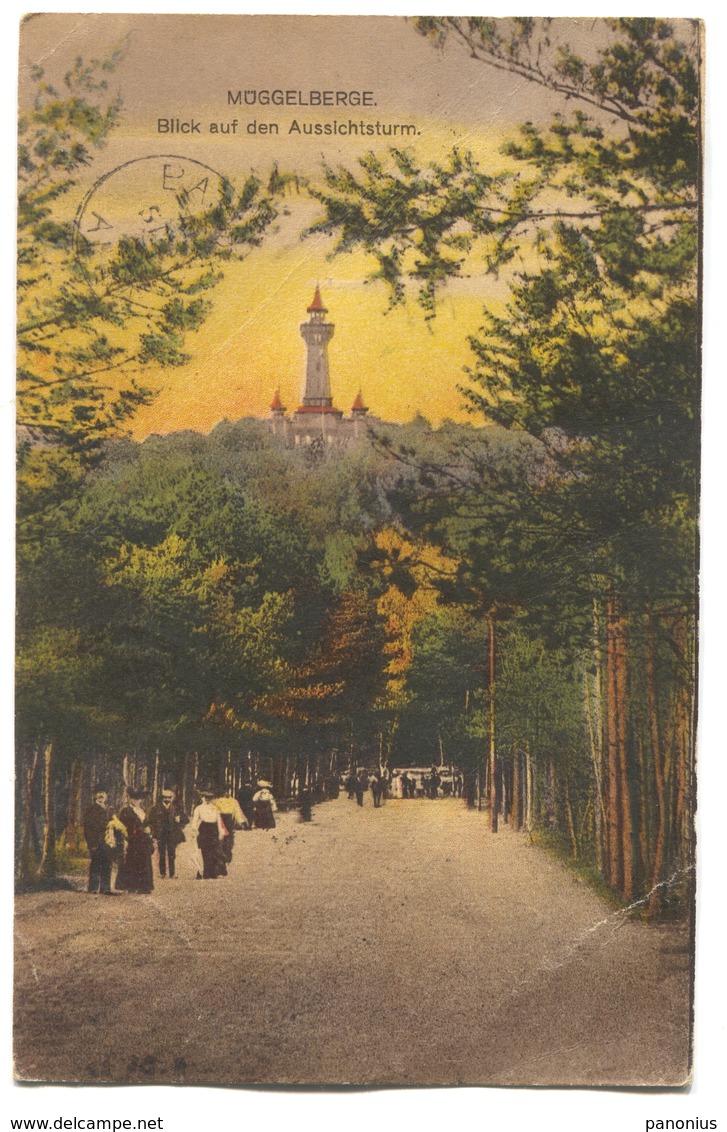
(517, 599)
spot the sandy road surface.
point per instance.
(401, 945)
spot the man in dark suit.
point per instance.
(166, 822)
(95, 823)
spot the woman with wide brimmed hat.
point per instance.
(208, 829)
(264, 806)
(135, 873)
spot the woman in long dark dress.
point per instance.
(264, 806)
(135, 871)
(209, 830)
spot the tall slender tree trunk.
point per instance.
(569, 819)
(684, 802)
(183, 783)
(26, 855)
(504, 794)
(625, 791)
(47, 865)
(492, 751)
(155, 783)
(614, 841)
(594, 716)
(644, 826)
(550, 816)
(528, 788)
(657, 864)
(73, 812)
(516, 813)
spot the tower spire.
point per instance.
(317, 333)
(317, 304)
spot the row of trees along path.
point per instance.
(518, 598)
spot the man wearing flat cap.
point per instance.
(166, 823)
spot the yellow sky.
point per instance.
(181, 67)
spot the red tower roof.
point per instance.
(317, 304)
(358, 405)
(277, 403)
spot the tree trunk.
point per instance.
(684, 816)
(73, 813)
(504, 793)
(646, 808)
(625, 791)
(614, 842)
(528, 788)
(657, 864)
(549, 816)
(516, 815)
(47, 865)
(569, 819)
(594, 716)
(491, 696)
(155, 784)
(26, 856)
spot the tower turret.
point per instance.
(317, 333)
(277, 418)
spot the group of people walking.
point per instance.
(132, 837)
(401, 784)
(407, 785)
(357, 784)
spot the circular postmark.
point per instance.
(145, 198)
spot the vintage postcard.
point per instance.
(358, 431)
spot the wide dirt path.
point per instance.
(402, 945)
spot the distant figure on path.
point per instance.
(360, 786)
(265, 807)
(135, 872)
(434, 783)
(209, 830)
(377, 789)
(351, 784)
(166, 822)
(245, 795)
(232, 817)
(305, 806)
(97, 823)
